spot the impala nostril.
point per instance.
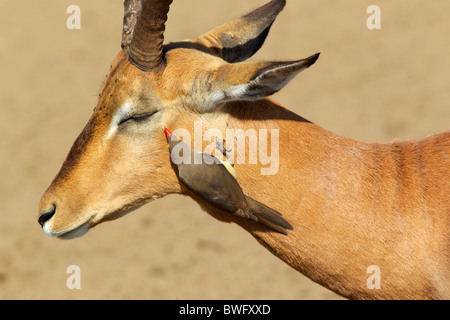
(47, 215)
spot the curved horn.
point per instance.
(145, 50)
(131, 12)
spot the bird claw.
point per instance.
(220, 145)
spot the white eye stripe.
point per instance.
(121, 114)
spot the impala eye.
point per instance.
(138, 118)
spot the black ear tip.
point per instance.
(279, 3)
(311, 60)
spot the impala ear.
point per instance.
(240, 38)
(251, 81)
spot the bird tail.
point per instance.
(267, 216)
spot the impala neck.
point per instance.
(348, 202)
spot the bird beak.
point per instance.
(168, 133)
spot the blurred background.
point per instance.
(370, 85)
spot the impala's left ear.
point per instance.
(251, 81)
(240, 38)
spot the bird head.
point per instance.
(173, 141)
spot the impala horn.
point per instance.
(131, 12)
(143, 31)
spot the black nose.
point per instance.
(47, 215)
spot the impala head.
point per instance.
(120, 160)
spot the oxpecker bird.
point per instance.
(215, 182)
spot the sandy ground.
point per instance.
(371, 85)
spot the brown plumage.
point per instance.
(214, 182)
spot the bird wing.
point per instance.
(208, 177)
(211, 180)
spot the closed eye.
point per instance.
(138, 118)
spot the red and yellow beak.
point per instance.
(168, 133)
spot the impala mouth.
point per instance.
(83, 228)
(67, 234)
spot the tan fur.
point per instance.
(355, 204)
(351, 204)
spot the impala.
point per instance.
(351, 204)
